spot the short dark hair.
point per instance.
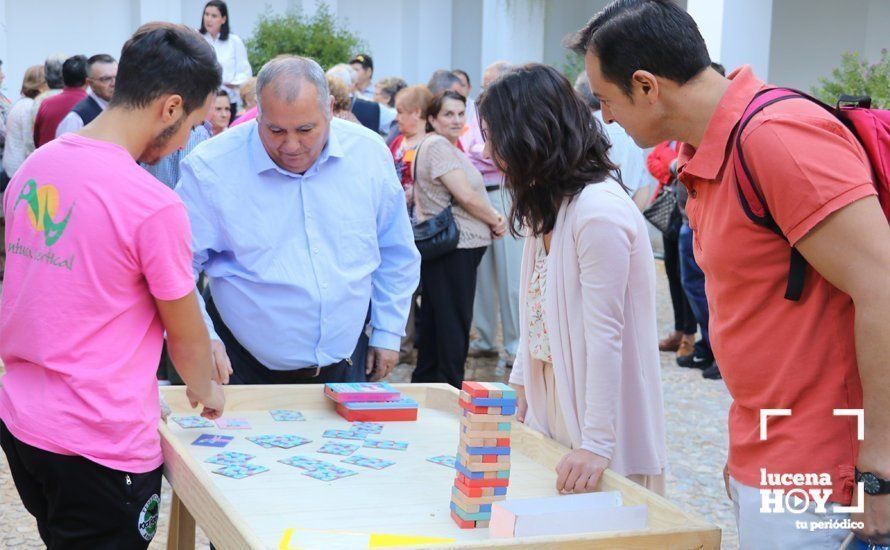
(74, 71)
(435, 106)
(545, 140)
(719, 68)
(165, 58)
(364, 60)
(651, 35)
(99, 58)
(224, 11)
(463, 73)
(442, 80)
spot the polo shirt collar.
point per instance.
(706, 161)
(263, 162)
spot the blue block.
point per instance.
(507, 411)
(492, 402)
(488, 450)
(466, 516)
(503, 426)
(500, 491)
(462, 469)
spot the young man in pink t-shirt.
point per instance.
(99, 266)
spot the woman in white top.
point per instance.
(587, 369)
(230, 50)
(17, 127)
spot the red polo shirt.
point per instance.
(51, 112)
(775, 353)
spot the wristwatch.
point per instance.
(872, 484)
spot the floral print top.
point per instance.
(538, 339)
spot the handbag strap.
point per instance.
(414, 173)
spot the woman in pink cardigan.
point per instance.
(588, 366)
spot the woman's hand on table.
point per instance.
(580, 471)
(521, 403)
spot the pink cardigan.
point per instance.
(599, 304)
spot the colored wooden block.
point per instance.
(504, 474)
(483, 463)
(496, 418)
(464, 515)
(470, 507)
(475, 389)
(492, 402)
(486, 442)
(479, 467)
(505, 410)
(479, 425)
(504, 427)
(505, 390)
(483, 450)
(463, 524)
(458, 495)
(474, 480)
(480, 491)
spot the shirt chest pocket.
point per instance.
(357, 247)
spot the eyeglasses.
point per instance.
(105, 79)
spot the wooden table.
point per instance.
(411, 497)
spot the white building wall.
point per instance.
(788, 41)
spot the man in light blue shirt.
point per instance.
(299, 222)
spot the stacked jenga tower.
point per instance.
(483, 454)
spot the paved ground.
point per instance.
(696, 436)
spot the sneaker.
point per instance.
(671, 343)
(700, 358)
(712, 373)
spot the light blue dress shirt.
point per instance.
(167, 169)
(294, 260)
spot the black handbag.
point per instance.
(438, 235)
(664, 211)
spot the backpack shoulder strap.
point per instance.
(750, 195)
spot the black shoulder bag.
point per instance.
(438, 235)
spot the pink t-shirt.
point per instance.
(92, 239)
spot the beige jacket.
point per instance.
(599, 304)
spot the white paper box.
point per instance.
(567, 514)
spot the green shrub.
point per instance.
(856, 77)
(320, 37)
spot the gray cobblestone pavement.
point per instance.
(695, 411)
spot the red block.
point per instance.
(475, 389)
(463, 524)
(376, 415)
(503, 442)
(482, 482)
(490, 459)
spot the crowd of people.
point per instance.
(313, 226)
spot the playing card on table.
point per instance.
(194, 421)
(367, 427)
(211, 440)
(444, 460)
(386, 444)
(240, 471)
(287, 415)
(230, 457)
(306, 463)
(344, 434)
(232, 424)
(330, 473)
(264, 441)
(342, 449)
(289, 441)
(368, 462)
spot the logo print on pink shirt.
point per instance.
(43, 205)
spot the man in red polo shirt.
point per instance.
(648, 65)
(53, 109)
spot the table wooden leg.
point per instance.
(181, 533)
